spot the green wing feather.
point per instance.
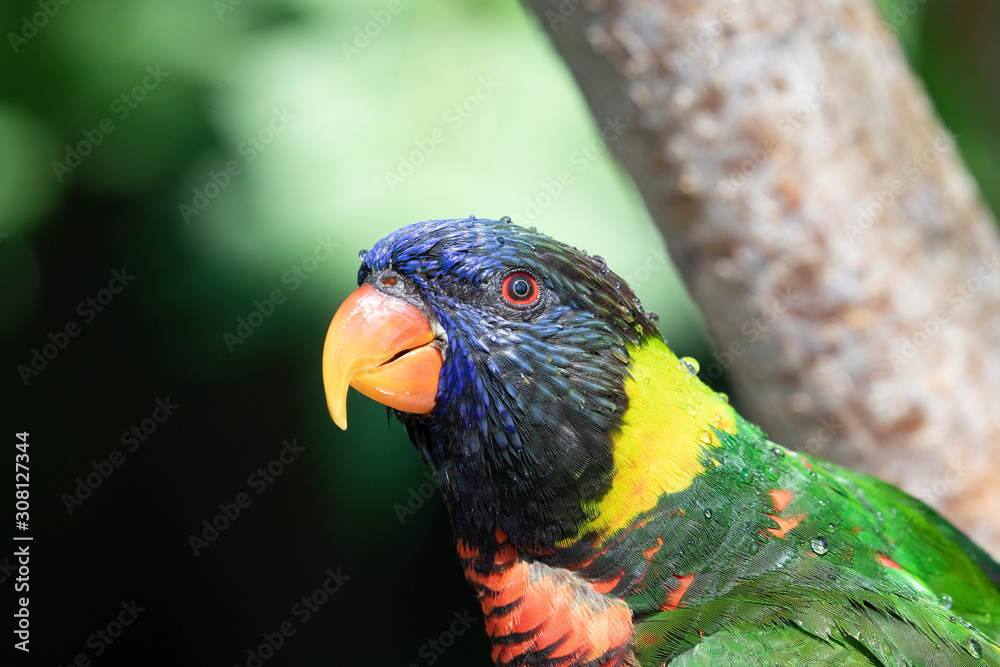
(866, 575)
(929, 547)
(812, 614)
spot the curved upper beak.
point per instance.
(381, 346)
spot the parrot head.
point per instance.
(504, 353)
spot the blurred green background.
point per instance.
(217, 152)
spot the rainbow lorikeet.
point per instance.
(611, 509)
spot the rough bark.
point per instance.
(823, 221)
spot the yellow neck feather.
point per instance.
(672, 416)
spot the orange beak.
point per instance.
(380, 345)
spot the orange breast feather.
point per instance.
(545, 612)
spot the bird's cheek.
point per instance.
(381, 346)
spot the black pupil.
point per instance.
(521, 288)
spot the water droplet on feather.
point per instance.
(819, 546)
(691, 365)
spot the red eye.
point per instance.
(520, 289)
